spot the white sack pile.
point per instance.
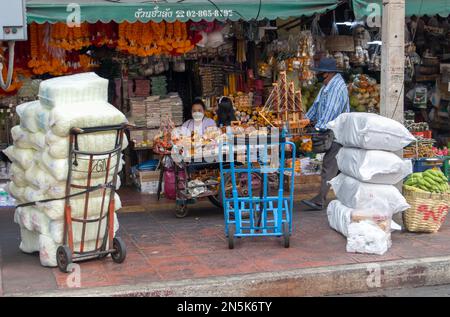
(367, 197)
(40, 161)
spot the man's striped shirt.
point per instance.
(331, 101)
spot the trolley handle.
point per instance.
(76, 130)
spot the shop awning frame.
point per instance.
(92, 11)
(361, 8)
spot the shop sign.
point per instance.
(170, 13)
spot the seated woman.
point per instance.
(198, 123)
(225, 112)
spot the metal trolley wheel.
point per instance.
(120, 250)
(64, 258)
(286, 235)
(230, 237)
(181, 210)
(215, 200)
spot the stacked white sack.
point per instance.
(40, 160)
(367, 197)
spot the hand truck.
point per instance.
(267, 214)
(99, 164)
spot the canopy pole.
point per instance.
(393, 63)
(392, 59)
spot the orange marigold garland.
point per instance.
(147, 39)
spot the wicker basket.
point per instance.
(427, 212)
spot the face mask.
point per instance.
(197, 116)
(320, 77)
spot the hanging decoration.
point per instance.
(54, 49)
(70, 38)
(148, 39)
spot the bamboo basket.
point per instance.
(428, 210)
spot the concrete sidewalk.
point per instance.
(189, 257)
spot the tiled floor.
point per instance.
(162, 247)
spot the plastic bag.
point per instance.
(373, 166)
(339, 216)
(88, 114)
(366, 237)
(23, 157)
(355, 194)
(370, 131)
(68, 90)
(169, 183)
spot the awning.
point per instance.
(361, 8)
(41, 11)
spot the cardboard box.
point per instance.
(147, 176)
(147, 181)
(149, 187)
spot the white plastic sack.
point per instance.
(17, 175)
(58, 147)
(39, 178)
(55, 209)
(23, 157)
(33, 117)
(67, 90)
(30, 241)
(339, 217)
(59, 168)
(33, 219)
(58, 189)
(18, 192)
(48, 247)
(27, 140)
(91, 230)
(37, 140)
(377, 213)
(357, 195)
(88, 114)
(31, 194)
(373, 166)
(370, 131)
(366, 237)
(20, 137)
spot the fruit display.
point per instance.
(432, 180)
(309, 94)
(303, 143)
(364, 94)
(440, 152)
(297, 165)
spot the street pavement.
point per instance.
(189, 257)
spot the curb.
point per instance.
(320, 281)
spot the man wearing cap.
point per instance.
(331, 101)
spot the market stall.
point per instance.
(158, 58)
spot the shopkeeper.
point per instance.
(199, 123)
(225, 112)
(331, 101)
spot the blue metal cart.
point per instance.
(260, 211)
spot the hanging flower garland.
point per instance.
(70, 38)
(148, 39)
